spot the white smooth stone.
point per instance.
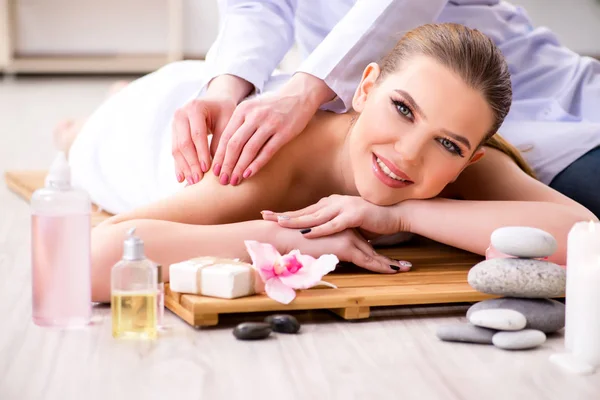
(499, 318)
(524, 242)
(519, 340)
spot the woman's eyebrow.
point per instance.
(458, 138)
(413, 104)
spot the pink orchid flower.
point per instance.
(283, 274)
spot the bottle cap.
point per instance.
(60, 172)
(133, 247)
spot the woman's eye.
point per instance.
(451, 146)
(403, 109)
(448, 144)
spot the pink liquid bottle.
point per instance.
(61, 251)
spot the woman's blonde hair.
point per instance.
(475, 58)
(499, 143)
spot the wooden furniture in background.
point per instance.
(136, 64)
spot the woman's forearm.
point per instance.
(168, 242)
(469, 224)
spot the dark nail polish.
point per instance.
(303, 231)
(395, 267)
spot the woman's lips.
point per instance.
(388, 180)
(393, 168)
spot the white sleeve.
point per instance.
(366, 33)
(253, 38)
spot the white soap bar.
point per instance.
(212, 276)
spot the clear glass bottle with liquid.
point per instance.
(61, 251)
(160, 299)
(134, 291)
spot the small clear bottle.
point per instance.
(160, 298)
(61, 251)
(134, 291)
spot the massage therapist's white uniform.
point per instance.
(123, 155)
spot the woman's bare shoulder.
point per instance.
(497, 177)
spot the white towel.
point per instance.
(122, 156)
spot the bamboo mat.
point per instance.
(439, 275)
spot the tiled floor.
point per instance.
(394, 355)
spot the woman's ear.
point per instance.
(369, 77)
(478, 155)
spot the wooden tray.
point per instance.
(439, 275)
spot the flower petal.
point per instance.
(278, 291)
(324, 283)
(291, 263)
(264, 256)
(309, 276)
(306, 260)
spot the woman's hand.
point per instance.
(336, 213)
(191, 126)
(259, 127)
(347, 245)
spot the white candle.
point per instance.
(582, 325)
(586, 338)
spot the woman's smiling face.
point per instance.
(418, 129)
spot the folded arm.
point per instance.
(491, 194)
(494, 192)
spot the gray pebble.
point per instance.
(252, 330)
(519, 340)
(517, 277)
(524, 242)
(544, 315)
(464, 332)
(283, 323)
(500, 319)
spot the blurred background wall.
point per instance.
(140, 35)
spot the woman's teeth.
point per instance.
(388, 172)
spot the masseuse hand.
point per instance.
(259, 127)
(336, 213)
(202, 117)
(347, 245)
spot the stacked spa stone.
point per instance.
(522, 318)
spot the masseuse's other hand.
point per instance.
(259, 127)
(347, 245)
(191, 126)
(336, 213)
(201, 117)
